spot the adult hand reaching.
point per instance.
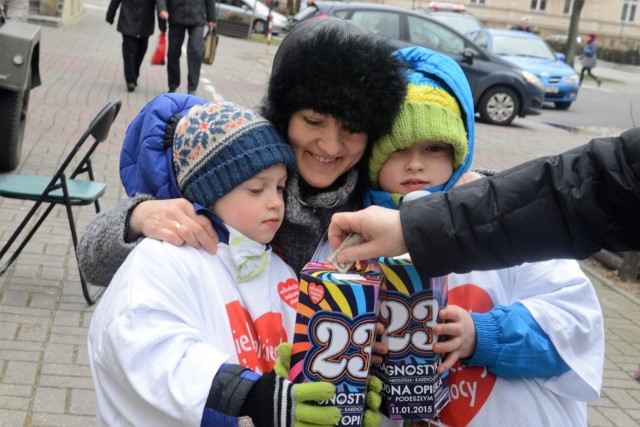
(380, 228)
(174, 221)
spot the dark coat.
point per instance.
(566, 206)
(189, 12)
(137, 17)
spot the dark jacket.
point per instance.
(137, 17)
(566, 206)
(189, 12)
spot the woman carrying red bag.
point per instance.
(136, 24)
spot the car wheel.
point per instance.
(562, 105)
(259, 26)
(13, 108)
(499, 106)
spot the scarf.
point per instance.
(307, 218)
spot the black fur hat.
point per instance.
(337, 68)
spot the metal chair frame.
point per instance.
(61, 190)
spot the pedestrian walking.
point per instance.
(136, 23)
(189, 16)
(589, 57)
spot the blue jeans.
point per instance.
(195, 48)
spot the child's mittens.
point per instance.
(283, 362)
(275, 401)
(372, 402)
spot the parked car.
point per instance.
(530, 52)
(19, 73)
(243, 11)
(558, 42)
(501, 91)
(454, 15)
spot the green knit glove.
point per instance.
(275, 401)
(283, 362)
(372, 401)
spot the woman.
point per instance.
(136, 21)
(589, 57)
(334, 88)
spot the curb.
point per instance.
(599, 277)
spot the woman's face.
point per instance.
(324, 151)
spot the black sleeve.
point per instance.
(565, 206)
(111, 10)
(230, 388)
(211, 10)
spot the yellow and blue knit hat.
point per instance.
(218, 146)
(429, 113)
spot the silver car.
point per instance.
(247, 10)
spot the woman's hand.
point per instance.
(460, 330)
(174, 221)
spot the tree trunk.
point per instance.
(570, 52)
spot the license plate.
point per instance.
(551, 89)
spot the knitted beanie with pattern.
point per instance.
(218, 146)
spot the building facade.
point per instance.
(616, 22)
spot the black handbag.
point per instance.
(210, 46)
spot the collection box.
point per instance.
(335, 333)
(409, 306)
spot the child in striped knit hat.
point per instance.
(510, 361)
(183, 337)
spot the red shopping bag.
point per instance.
(161, 50)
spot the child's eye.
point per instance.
(280, 188)
(255, 190)
(434, 148)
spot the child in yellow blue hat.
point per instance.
(510, 361)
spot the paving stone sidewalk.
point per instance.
(44, 372)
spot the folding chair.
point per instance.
(61, 189)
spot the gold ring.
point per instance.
(177, 227)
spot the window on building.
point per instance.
(568, 7)
(629, 10)
(538, 5)
(477, 1)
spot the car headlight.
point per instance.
(532, 78)
(572, 79)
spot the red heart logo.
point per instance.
(289, 292)
(469, 387)
(316, 292)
